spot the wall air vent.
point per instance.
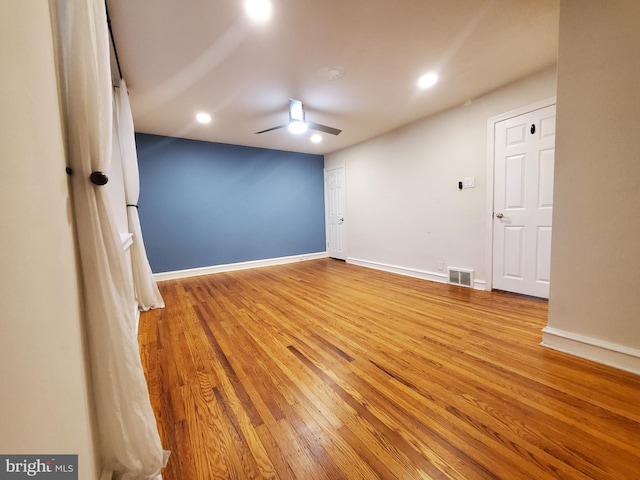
(461, 276)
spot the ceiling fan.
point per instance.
(297, 123)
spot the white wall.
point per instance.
(404, 208)
(45, 398)
(594, 307)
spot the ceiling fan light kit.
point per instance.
(298, 124)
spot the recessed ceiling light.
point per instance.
(203, 117)
(316, 138)
(297, 126)
(259, 10)
(428, 80)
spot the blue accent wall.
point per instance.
(204, 204)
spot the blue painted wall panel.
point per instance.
(204, 204)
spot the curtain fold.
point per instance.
(129, 440)
(147, 293)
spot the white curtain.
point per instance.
(147, 292)
(129, 439)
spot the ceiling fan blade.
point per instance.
(323, 128)
(296, 114)
(272, 128)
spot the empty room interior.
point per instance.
(321, 240)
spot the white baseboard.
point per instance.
(600, 351)
(230, 267)
(411, 272)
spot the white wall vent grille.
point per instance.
(461, 276)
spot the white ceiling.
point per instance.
(180, 57)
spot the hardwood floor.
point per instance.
(326, 370)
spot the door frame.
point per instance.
(491, 133)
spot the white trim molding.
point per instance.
(601, 351)
(231, 267)
(438, 277)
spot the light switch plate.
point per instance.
(469, 182)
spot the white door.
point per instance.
(335, 206)
(523, 202)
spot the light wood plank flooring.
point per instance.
(325, 370)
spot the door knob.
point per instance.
(499, 215)
(341, 220)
